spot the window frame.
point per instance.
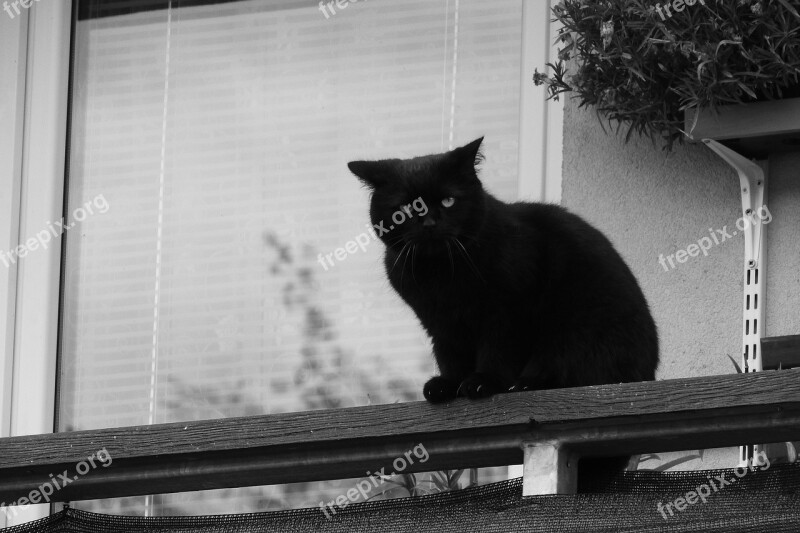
(542, 121)
(34, 180)
(33, 155)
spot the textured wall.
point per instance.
(650, 203)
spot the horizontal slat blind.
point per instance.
(219, 136)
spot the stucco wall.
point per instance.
(650, 203)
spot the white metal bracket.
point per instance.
(548, 468)
(752, 180)
(753, 189)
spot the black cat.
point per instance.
(514, 296)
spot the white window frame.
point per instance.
(34, 73)
(35, 70)
(541, 120)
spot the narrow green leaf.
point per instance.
(790, 7)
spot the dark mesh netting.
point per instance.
(762, 500)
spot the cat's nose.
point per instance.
(428, 222)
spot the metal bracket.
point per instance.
(753, 189)
(549, 468)
(752, 181)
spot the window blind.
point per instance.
(219, 137)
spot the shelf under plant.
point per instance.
(753, 130)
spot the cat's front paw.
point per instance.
(439, 389)
(479, 386)
(522, 384)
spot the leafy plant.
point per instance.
(411, 485)
(446, 479)
(735, 365)
(642, 69)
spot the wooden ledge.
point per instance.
(620, 419)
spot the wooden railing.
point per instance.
(607, 420)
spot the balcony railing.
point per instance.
(609, 420)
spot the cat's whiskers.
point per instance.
(395, 239)
(472, 240)
(399, 255)
(471, 264)
(403, 271)
(413, 258)
(452, 265)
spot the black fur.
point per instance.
(514, 296)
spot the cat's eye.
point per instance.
(448, 202)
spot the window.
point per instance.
(207, 171)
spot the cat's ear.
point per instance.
(469, 154)
(369, 172)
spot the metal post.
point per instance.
(548, 468)
(753, 190)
